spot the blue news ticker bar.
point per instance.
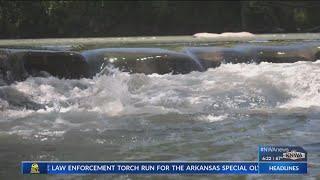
(141, 167)
(162, 167)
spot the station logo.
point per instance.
(294, 155)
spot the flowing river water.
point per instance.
(220, 114)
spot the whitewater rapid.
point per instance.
(213, 94)
(220, 114)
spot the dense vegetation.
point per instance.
(39, 19)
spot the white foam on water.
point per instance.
(111, 95)
(300, 79)
(213, 118)
(14, 114)
(212, 94)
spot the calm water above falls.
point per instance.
(221, 114)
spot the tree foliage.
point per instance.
(40, 19)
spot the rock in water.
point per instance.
(17, 65)
(141, 60)
(11, 67)
(214, 56)
(60, 64)
(211, 57)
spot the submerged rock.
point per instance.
(211, 57)
(11, 67)
(60, 64)
(17, 65)
(214, 56)
(141, 60)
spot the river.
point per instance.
(220, 114)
